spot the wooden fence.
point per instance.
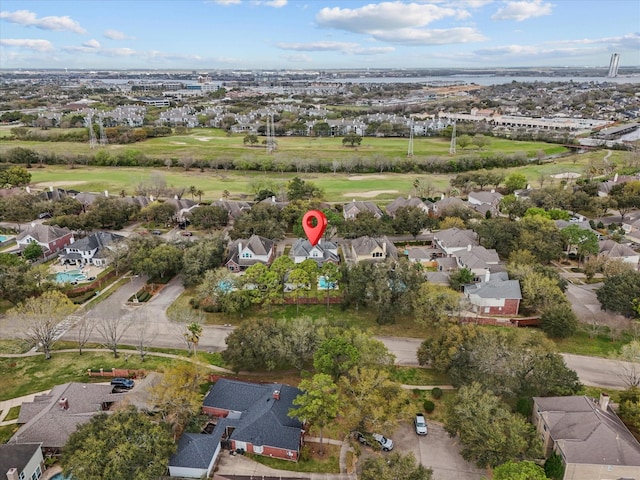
(117, 372)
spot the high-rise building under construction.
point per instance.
(613, 65)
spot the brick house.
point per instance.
(52, 239)
(246, 252)
(496, 295)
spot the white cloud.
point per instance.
(226, 2)
(382, 16)
(28, 43)
(93, 43)
(116, 35)
(520, 11)
(272, 3)
(342, 47)
(30, 19)
(416, 36)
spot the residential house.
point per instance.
(477, 259)
(243, 253)
(605, 187)
(51, 418)
(51, 238)
(483, 202)
(93, 249)
(447, 204)
(373, 249)
(617, 251)
(495, 295)
(234, 208)
(586, 433)
(424, 255)
(631, 226)
(255, 417)
(583, 224)
(323, 251)
(453, 240)
(182, 207)
(273, 201)
(352, 209)
(21, 461)
(195, 455)
(400, 202)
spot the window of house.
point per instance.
(246, 255)
(377, 255)
(487, 309)
(21, 476)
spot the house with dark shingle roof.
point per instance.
(586, 433)
(243, 253)
(454, 239)
(195, 455)
(93, 249)
(21, 461)
(255, 417)
(400, 202)
(323, 251)
(616, 251)
(51, 418)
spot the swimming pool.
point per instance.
(59, 476)
(4, 238)
(70, 276)
(324, 285)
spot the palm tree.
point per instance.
(193, 191)
(193, 334)
(199, 193)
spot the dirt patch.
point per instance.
(369, 194)
(60, 184)
(567, 175)
(178, 143)
(202, 139)
(368, 177)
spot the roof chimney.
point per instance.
(106, 193)
(63, 403)
(276, 394)
(51, 188)
(604, 401)
(468, 247)
(239, 248)
(12, 474)
(487, 275)
(615, 178)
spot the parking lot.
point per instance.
(437, 451)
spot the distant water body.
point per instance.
(486, 80)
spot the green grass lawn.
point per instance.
(600, 346)
(14, 412)
(310, 460)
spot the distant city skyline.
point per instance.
(316, 34)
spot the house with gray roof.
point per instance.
(453, 240)
(51, 418)
(196, 455)
(495, 294)
(617, 251)
(246, 252)
(51, 238)
(586, 433)
(400, 202)
(21, 461)
(374, 249)
(477, 259)
(234, 208)
(323, 251)
(448, 204)
(352, 209)
(251, 417)
(93, 249)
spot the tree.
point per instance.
(584, 242)
(177, 395)
(209, 217)
(335, 356)
(14, 176)
(352, 140)
(629, 358)
(144, 332)
(298, 189)
(163, 260)
(394, 467)
(192, 335)
(319, 402)
(439, 349)
(299, 277)
(332, 276)
(559, 321)
(412, 220)
(489, 433)
(84, 329)
(125, 444)
(524, 470)
(462, 276)
(111, 326)
(554, 467)
(17, 280)
(40, 317)
(200, 257)
(254, 345)
(33, 251)
(515, 181)
(434, 303)
(372, 401)
(618, 293)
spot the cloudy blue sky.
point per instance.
(316, 34)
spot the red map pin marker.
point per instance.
(314, 224)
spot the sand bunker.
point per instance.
(369, 194)
(178, 143)
(368, 177)
(566, 175)
(202, 139)
(59, 184)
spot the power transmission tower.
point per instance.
(103, 136)
(88, 121)
(271, 141)
(452, 147)
(410, 151)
